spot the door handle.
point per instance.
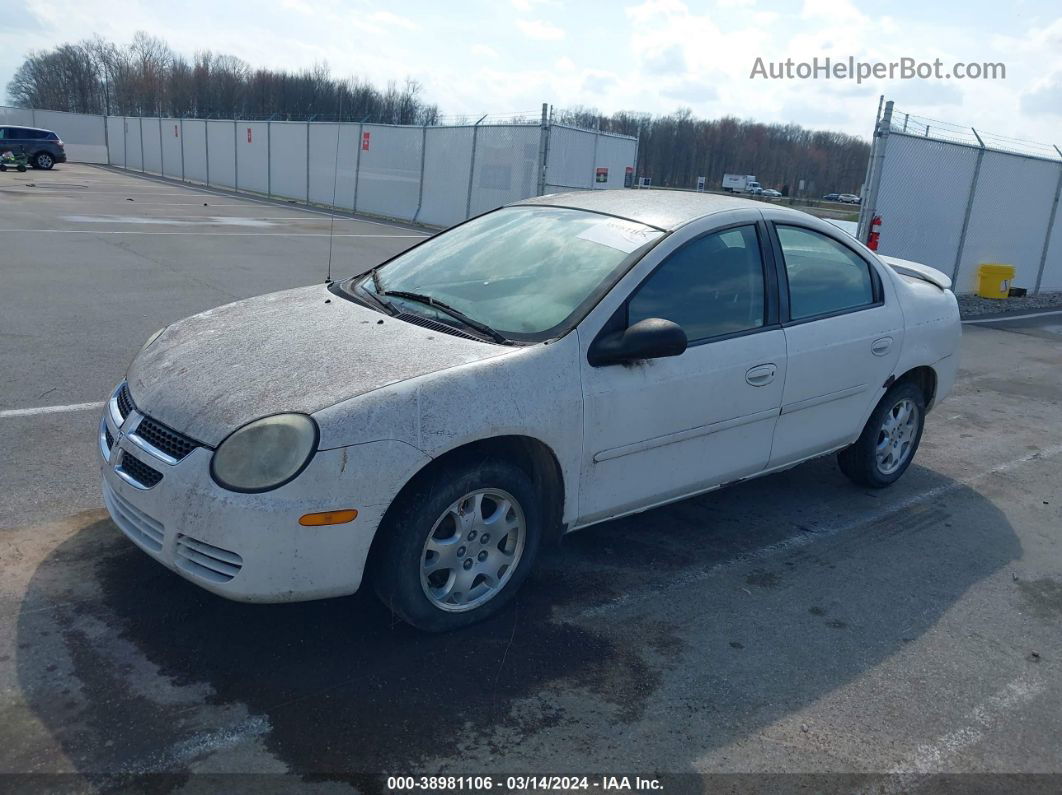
(761, 374)
(881, 346)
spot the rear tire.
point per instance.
(889, 440)
(43, 161)
(458, 544)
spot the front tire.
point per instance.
(458, 544)
(889, 440)
(44, 161)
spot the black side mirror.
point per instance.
(651, 338)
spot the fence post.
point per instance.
(1050, 228)
(162, 156)
(868, 208)
(125, 142)
(182, 149)
(472, 166)
(969, 208)
(543, 149)
(143, 169)
(637, 145)
(107, 138)
(206, 146)
(269, 158)
(423, 155)
(357, 167)
(307, 163)
(593, 167)
(235, 155)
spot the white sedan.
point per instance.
(553, 364)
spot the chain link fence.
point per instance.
(955, 198)
(436, 175)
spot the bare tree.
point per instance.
(147, 78)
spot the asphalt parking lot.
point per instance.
(790, 624)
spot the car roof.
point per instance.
(664, 209)
(24, 127)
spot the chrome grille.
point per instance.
(145, 476)
(201, 559)
(136, 524)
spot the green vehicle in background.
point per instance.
(17, 161)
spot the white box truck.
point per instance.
(741, 183)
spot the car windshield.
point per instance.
(523, 271)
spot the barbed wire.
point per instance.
(952, 132)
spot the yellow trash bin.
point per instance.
(993, 280)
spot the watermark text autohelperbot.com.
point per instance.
(850, 69)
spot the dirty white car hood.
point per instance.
(210, 373)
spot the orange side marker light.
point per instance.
(327, 518)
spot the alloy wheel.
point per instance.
(473, 550)
(896, 437)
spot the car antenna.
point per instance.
(335, 179)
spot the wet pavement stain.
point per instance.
(342, 691)
(763, 579)
(345, 688)
(1042, 596)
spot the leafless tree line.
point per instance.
(674, 150)
(147, 78)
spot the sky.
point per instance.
(509, 56)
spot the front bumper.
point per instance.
(251, 547)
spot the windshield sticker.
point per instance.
(619, 235)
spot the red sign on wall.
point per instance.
(248, 135)
(365, 140)
(601, 174)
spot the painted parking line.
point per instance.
(1004, 318)
(7, 413)
(198, 234)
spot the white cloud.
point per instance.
(387, 18)
(654, 56)
(301, 6)
(596, 83)
(529, 5)
(668, 61)
(1045, 98)
(540, 30)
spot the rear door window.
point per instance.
(824, 276)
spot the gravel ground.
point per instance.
(973, 305)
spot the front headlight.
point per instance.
(266, 453)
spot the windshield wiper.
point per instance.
(457, 314)
(356, 289)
